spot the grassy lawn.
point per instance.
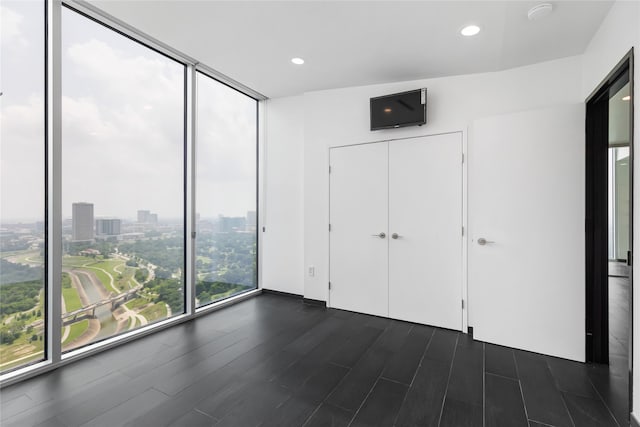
(22, 347)
(109, 265)
(71, 299)
(75, 261)
(25, 257)
(79, 262)
(6, 254)
(136, 303)
(36, 355)
(102, 277)
(127, 277)
(120, 280)
(155, 312)
(77, 329)
(124, 282)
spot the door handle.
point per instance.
(482, 241)
(395, 236)
(381, 235)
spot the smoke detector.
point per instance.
(539, 11)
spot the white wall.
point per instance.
(341, 116)
(282, 216)
(619, 32)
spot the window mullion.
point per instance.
(54, 182)
(190, 180)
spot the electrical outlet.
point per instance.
(312, 271)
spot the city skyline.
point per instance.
(128, 219)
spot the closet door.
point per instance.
(359, 220)
(425, 227)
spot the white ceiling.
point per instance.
(353, 43)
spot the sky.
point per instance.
(122, 126)
(21, 110)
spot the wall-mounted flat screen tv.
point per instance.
(399, 110)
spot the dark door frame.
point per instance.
(596, 220)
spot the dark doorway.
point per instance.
(609, 230)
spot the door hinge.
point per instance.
(329, 285)
(329, 168)
(462, 157)
(329, 227)
(463, 231)
(629, 258)
(463, 304)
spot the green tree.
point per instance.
(11, 332)
(18, 297)
(141, 274)
(66, 280)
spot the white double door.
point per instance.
(396, 229)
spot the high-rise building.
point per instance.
(147, 217)
(82, 221)
(108, 227)
(143, 216)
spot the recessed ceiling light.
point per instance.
(626, 98)
(297, 61)
(470, 30)
(539, 11)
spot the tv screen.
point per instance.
(398, 110)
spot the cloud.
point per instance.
(22, 142)
(11, 34)
(22, 160)
(123, 133)
(123, 127)
(226, 151)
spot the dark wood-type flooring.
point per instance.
(274, 361)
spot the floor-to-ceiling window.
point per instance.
(122, 183)
(22, 201)
(226, 191)
(113, 184)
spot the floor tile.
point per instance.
(503, 402)
(382, 405)
(328, 415)
(461, 414)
